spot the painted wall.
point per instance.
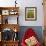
(26, 3)
(37, 29)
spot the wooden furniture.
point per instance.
(0, 43)
(5, 13)
(8, 11)
(45, 36)
(44, 8)
(11, 26)
(10, 43)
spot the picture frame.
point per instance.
(5, 12)
(13, 12)
(30, 13)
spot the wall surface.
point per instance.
(37, 29)
(31, 3)
(26, 3)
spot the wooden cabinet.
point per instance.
(7, 27)
(10, 43)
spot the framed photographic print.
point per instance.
(13, 12)
(30, 13)
(5, 12)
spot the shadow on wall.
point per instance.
(37, 29)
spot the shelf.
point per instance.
(11, 41)
(10, 19)
(10, 26)
(9, 10)
(7, 26)
(6, 12)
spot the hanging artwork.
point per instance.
(30, 13)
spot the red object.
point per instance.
(29, 33)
